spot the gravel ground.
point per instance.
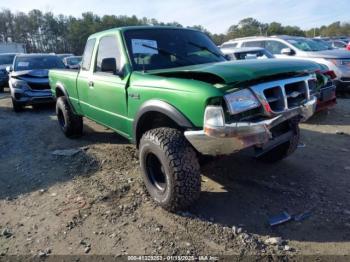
(93, 202)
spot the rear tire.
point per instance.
(16, 106)
(170, 168)
(284, 150)
(70, 123)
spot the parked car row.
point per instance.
(5, 61)
(291, 47)
(335, 43)
(27, 76)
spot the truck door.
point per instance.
(106, 92)
(84, 75)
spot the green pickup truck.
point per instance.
(172, 93)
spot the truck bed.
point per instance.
(68, 79)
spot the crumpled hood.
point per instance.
(239, 71)
(331, 54)
(32, 76)
(32, 73)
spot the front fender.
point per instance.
(160, 107)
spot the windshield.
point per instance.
(6, 59)
(73, 60)
(306, 44)
(151, 49)
(37, 62)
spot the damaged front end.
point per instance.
(272, 105)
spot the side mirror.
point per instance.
(287, 51)
(228, 57)
(109, 65)
(9, 69)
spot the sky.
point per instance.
(215, 15)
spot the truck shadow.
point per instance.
(242, 191)
(338, 115)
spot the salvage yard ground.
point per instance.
(93, 201)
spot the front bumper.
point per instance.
(4, 81)
(32, 97)
(234, 137)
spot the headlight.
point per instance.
(214, 116)
(241, 101)
(20, 84)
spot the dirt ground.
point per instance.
(94, 203)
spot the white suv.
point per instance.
(302, 48)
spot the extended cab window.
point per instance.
(275, 47)
(89, 48)
(107, 48)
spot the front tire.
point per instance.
(70, 123)
(169, 168)
(284, 150)
(16, 106)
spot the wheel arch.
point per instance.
(151, 112)
(60, 90)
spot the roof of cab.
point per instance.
(127, 28)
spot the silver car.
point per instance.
(245, 53)
(337, 60)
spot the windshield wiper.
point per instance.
(207, 49)
(166, 52)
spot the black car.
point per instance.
(6, 60)
(28, 79)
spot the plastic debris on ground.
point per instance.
(302, 216)
(66, 152)
(280, 219)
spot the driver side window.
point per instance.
(275, 47)
(108, 48)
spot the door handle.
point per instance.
(91, 83)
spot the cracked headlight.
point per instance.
(241, 101)
(19, 84)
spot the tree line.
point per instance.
(46, 32)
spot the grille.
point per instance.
(286, 94)
(36, 86)
(313, 86)
(274, 97)
(296, 93)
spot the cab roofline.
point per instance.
(147, 27)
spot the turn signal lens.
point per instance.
(214, 116)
